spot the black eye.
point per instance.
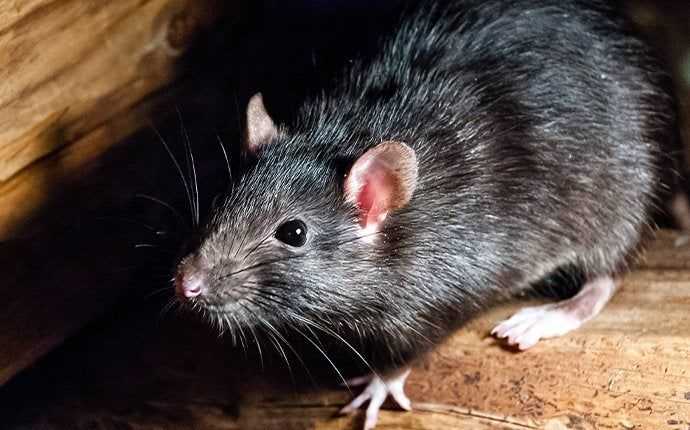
(293, 233)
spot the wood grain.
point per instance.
(68, 70)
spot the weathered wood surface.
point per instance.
(68, 70)
(627, 369)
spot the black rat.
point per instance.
(487, 145)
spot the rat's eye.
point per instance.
(293, 233)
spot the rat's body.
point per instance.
(520, 137)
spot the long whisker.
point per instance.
(247, 255)
(177, 166)
(276, 344)
(191, 164)
(157, 291)
(336, 336)
(340, 375)
(242, 242)
(129, 221)
(264, 263)
(270, 333)
(227, 160)
(241, 336)
(282, 338)
(232, 330)
(273, 298)
(251, 330)
(161, 202)
(171, 304)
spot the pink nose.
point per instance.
(188, 285)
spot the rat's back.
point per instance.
(537, 124)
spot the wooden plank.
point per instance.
(669, 251)
(31, 188)
(68, 68)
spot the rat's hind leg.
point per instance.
(530, 324)
(378, 388)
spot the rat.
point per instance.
(486, 145)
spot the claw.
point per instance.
(376, 393)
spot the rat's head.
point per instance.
(300, 235)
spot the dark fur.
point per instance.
(537, 125)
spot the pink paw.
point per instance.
(529, 325)
(376, 392)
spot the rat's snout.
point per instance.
(188, 286)
(191, 279)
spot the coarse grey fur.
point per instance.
(538, 126)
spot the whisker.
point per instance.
(255, 266)
(243, 241)
(227, 160)
(340, 375)
(165, 309)
(279, 349)
(161, 202)
(157, 291)
(241, 335)
(232, 329)
(336, 336)
(273, 298)
(177, 166)
(129, 221)
(247, 255)
(276, 334)
(256, 339)
(190, 163)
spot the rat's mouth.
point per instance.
(239, 311)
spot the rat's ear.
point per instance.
(381, 181)
(260, 128)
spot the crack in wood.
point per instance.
(456, 410)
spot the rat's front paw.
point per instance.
(378, 388)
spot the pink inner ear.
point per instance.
(371, 201)
(370, 187)
(382, 180)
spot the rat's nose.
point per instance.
(190, 280)
(188, 286)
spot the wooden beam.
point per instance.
(68, 69)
